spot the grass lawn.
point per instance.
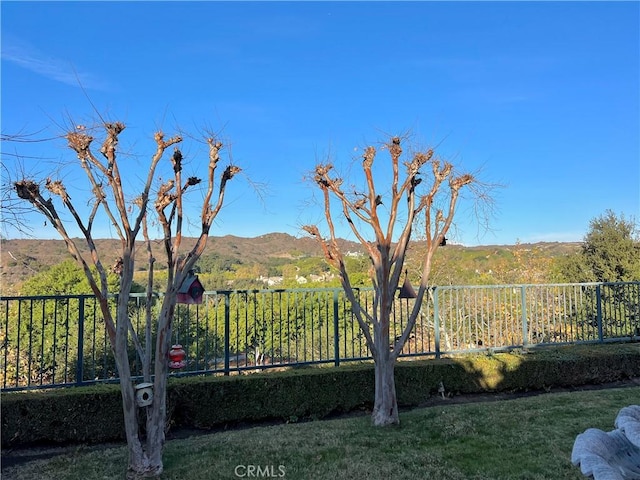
(525, 438)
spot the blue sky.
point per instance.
(540, 97)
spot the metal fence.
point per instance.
(50, 341)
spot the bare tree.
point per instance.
(369, 211)
(128, 218)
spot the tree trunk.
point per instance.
(385, 408)
(143, 462)
(156, 423)
(145, 458)
(157, 413)
(150, 464)
(140, 463)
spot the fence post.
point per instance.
(599, 313)
(80, 361)
(227, 332)
(523, 306)
(336, 334)
(436, 321)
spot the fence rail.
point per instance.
(52, 341)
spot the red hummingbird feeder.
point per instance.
(177, 357)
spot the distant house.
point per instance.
(324, 277)
(271, 281)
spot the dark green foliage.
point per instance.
(64, 278)
(94, 414)
(215, 263)
(82, 415)
(299, 393)
(610, 252)
(67, 278)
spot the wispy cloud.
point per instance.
(57, 69)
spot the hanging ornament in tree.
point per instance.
(407, 291)
(191, 290)
(177, 357)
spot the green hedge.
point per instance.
(94, 415)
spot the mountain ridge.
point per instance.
(22, 258)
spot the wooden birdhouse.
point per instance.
(191, 290)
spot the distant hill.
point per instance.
(23, 258)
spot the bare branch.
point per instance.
(210, 212)
(80, 142)
(30, 191)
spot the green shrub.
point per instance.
(76, 415)
(279, 395)
(94, 414)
